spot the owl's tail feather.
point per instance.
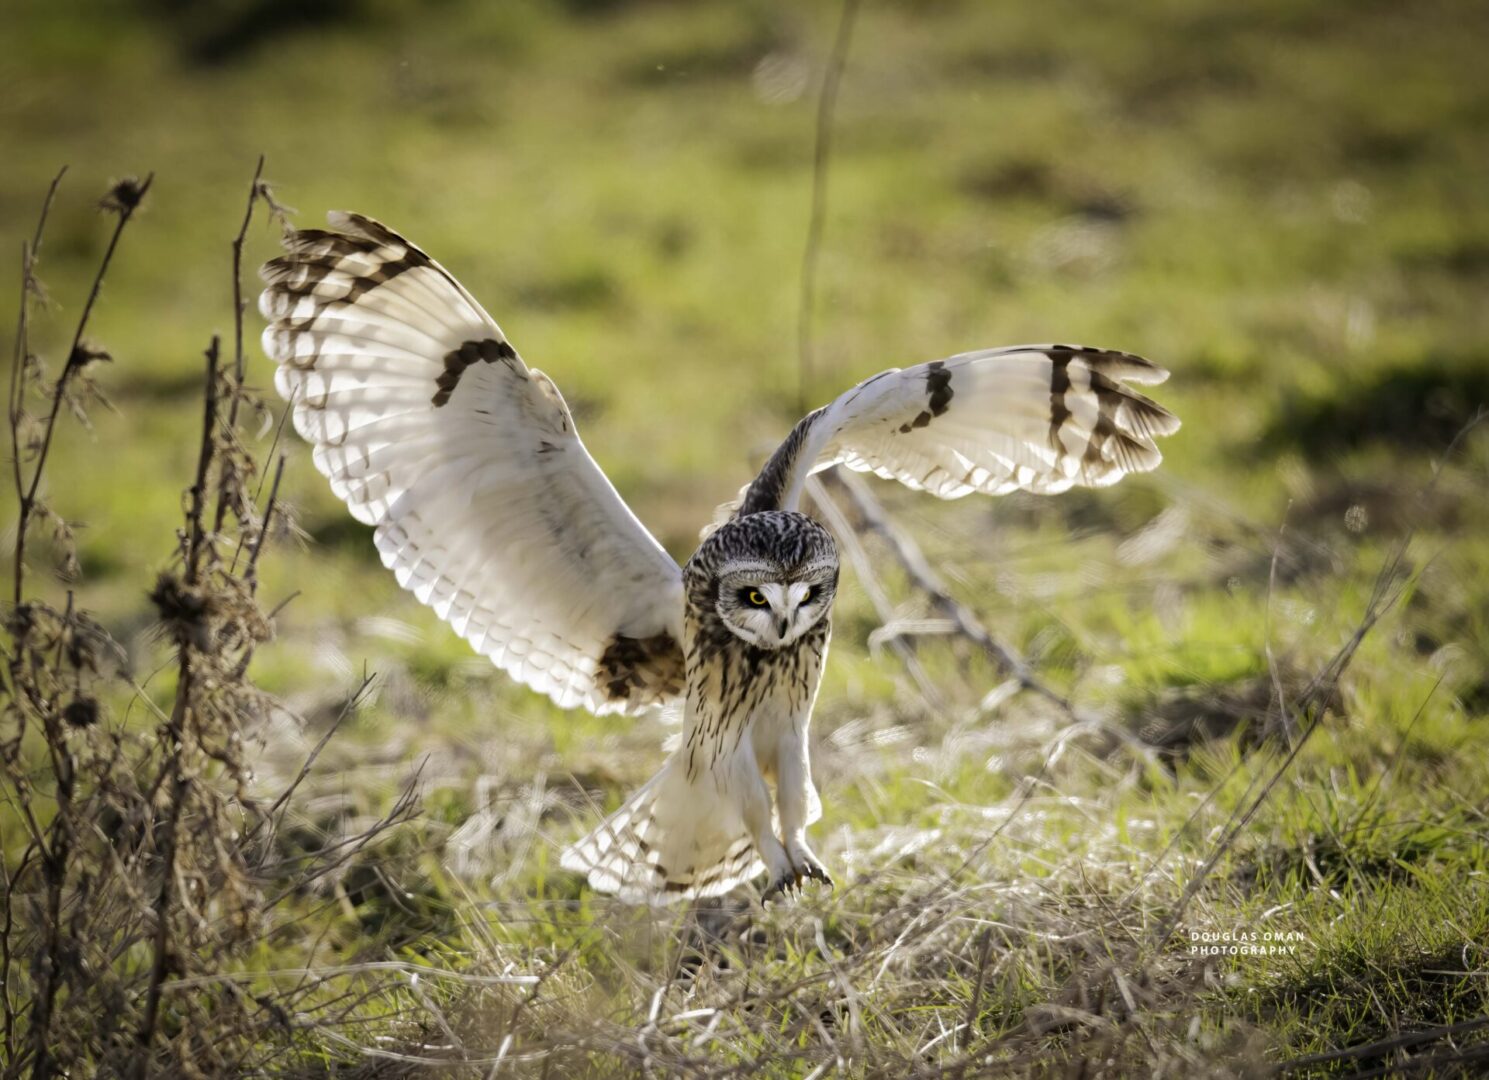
(672, 840)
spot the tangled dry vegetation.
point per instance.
(142, 866)
(165, 914)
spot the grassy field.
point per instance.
(1283, 201)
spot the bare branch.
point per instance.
(863, 568)
(124, 200)
(908, 554)
(258, 541)
(821, 157)
(235, 397)
(173, 733)
(16, 402)
(347, 708)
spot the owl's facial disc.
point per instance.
(772, 608)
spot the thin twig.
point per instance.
(196, 536)
(253, 195)
(821, 156)
(29, 255)
(76, 358)
(173, 735)
(1382, 1046)
(863, 568)
(258, 541)
(919, 571)
(9, 882)
(236, 395)
(1427, 1066)
(16, 401)
(54, 869)
(347, 708)
(263, 478)
(402, 810)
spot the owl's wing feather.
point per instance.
(483, 499)
(1040, 418)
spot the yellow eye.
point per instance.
(810, 594)
(755, 598)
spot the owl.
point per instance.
(486, 505)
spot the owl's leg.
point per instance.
(757, 820)
(795, 795)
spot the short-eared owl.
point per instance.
(488, 507)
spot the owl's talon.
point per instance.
(817, 872)
(808, 866)
(791, 881)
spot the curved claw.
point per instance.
(777, 888)
(816, 872)
(791, 880)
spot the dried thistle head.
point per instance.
(125, 195)
(264, 191)
(80, 712)
(87, 353)
(20, 621)
(184, 612)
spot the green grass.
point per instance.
(1283, 202)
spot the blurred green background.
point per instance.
(1286, 202)
(1282, 202)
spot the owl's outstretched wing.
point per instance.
(1039, 418)
(484, 501)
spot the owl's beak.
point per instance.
(782, 625)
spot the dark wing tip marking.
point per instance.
(938, 386)
(314, 255)
(489, 350)
(938, 396)
(1059, 385)
(1126, 420)
(362, 228)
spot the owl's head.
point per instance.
(771, 577)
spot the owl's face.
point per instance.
(770, 606)
(775, 578)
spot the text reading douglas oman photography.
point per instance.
(1244, 942)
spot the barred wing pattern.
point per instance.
(484, 501)
(1040, 418)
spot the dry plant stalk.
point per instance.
(138, 859)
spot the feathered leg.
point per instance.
(796, 800)
(758, 818)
